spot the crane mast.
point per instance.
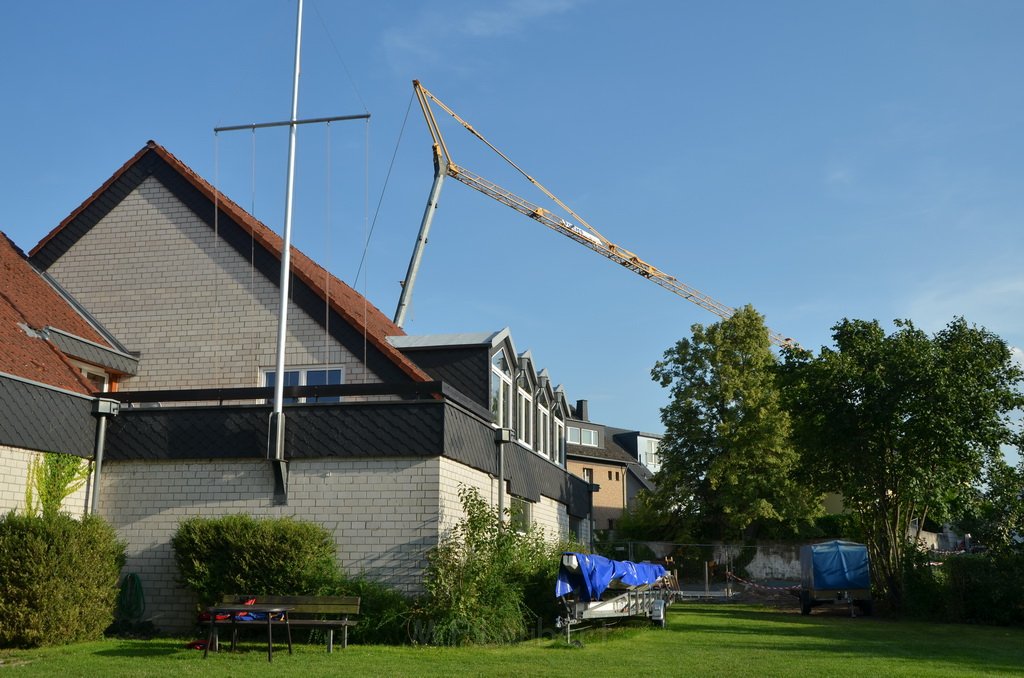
(580, 231)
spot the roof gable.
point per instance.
(154, 160)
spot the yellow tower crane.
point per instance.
(580, 231)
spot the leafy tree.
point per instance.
(726, 458)
(901, 425)
(994, 516)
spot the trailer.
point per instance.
(835, 571)
(594, 589)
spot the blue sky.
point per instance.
(818, 160)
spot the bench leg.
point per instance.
(288, 628)
(344, 636)
(330, 640)
(270, 639)
(210, 639)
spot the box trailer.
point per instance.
(835, 571)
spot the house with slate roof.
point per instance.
(618, 461)
(382, 428)
(53, 355)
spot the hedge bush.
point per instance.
(242, 554)
(969, 588)
(281, 556)
(58, 579)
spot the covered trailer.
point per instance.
(835, 571)
(595, 588)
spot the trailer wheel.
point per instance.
(805, 602)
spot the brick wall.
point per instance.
(14, 464)
(548, 514)
(382, 514)
(161, 281)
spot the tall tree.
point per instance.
(726, 458)
(901, 425)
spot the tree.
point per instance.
(901, 425)
(726, 458)
(994, 516)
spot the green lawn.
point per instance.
(701, 640)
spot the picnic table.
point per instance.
(247, 614)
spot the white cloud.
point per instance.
(428, 38)
(994, 302)
(512, 16)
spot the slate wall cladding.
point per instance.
(196, 310)
(14, 465)
(38, 417)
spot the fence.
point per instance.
(718, 570)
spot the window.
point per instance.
(99, 379)
(544, 432)
(573, 435)
(501, 390)
(329, 375)
(576, 528)
(559, 442)
(525, 401)
(588, 475)
(588, 437)
(616, 475)
(649, 454)
(522, 514)
(609, 475)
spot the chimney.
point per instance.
(581, 410)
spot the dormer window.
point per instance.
(501, 390)
(96, 376)
(525, 401)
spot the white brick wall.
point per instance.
(14, 464)
(382, 514)
(548, 514)
(160, 280)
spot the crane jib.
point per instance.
(584, 233)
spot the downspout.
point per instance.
(101, 409)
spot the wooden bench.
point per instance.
(326, 612)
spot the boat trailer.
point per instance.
(595, 589)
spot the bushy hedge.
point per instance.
(969, 588)
(242, 554)
(485, 584)
(58, 579)
(281, 556)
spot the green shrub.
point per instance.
(968, 588)
(383, 611)
(485, 583)
(58, 579)
(242, 554)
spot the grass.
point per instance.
(700, 640)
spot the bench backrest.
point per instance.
(302, 605)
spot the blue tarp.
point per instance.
(597, 573)
(835, 565)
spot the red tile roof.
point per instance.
(353, 307)
(26, 299)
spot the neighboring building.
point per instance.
(52, 356)
(382, 429)
(619, 461)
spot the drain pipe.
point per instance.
(102, 408)
(501, 437)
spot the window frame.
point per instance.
(267, 373)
